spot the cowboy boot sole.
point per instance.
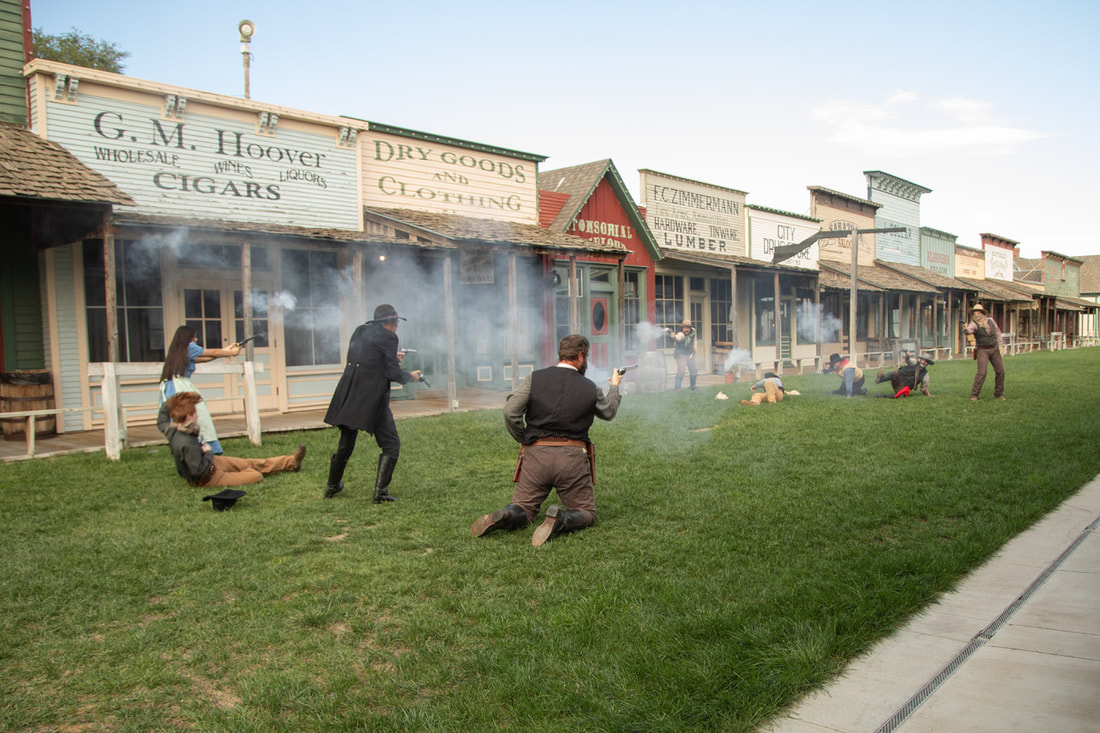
(488, 522)
(546, 530)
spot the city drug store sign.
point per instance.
(405, 169)
(206, 167)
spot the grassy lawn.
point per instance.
(742, 556)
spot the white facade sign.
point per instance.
(998, 263)
(407, 173)
(201, 166)
(693, 216)
(768, 230)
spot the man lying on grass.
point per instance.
(178, 420)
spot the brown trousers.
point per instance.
(563, 468)
(985, 356)
(771, 394)
(230, 471)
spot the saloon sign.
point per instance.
(202, 166)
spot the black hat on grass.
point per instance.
(224, 499)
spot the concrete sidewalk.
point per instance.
(1015, 648)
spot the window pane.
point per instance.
(192, 305)
(95, 288)
(211, 304)
(144, 334)
(141, 275)
(212, 335)
(97, 335)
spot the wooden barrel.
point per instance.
(29, 389)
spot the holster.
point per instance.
(519, 463)
(592, 462)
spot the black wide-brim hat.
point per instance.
(224, 499)
(386, 312)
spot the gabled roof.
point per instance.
(467, 229)
(925, 275)
(877, 278)
(33, 167)
(579, 183)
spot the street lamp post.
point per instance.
(247, 28)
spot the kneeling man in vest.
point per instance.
(549, 415)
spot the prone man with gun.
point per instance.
(549, 415)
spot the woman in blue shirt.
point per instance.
(179, 365)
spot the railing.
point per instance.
(29, 416)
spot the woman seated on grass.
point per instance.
(179, 421)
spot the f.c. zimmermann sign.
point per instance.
(689, 215)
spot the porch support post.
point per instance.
(449, 329)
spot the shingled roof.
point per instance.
(925, 275)
(130, 219)
(997, 290)
(462, 229)
(877, 278)
(35, 168)
(739, 261)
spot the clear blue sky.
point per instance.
(992, 105)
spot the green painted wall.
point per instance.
(21, 310)
(13, 89)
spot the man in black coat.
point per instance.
(362, 399)
(549, 415)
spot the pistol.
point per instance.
(245, 341)
(624, 369)
(425, 381)
(408, 351)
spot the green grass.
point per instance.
(742, 556)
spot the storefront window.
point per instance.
(632, 308)
(764, 313)
(259, 319)
(669, 301)
(138, 298)
(721, 305)
(806, 317)
(865, 317)
(312, 323)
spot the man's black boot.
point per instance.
(382, 484)
(335, 473)
(558, 521)
(510, 517)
